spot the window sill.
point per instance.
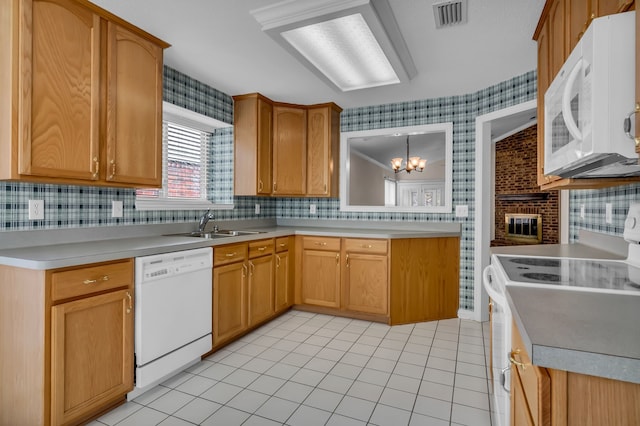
(172, 204)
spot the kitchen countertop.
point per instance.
(50, 256)
(578, 331)
(582, 332)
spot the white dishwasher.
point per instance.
(173, 318)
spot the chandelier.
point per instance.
(412, 163)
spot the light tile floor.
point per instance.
(309, 369)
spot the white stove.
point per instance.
(562, 273)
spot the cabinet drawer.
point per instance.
(535, 381)
(260, 248)
(321, 243)
(229, 254)
(357, 245)
(90, 279)
(282, 244)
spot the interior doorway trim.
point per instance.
(484, 200)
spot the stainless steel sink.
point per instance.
(218, 234)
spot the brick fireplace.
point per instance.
(517, 192)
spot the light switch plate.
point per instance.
(462, 211)
(36, 209)
(581, 211)
(257, 208)
(117, 208)
(312, 209)
(608, 213)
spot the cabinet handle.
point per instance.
(283, 245)
(244, 270)
(325, 188)
(130, 303)
(262, 248)
(231, 254)
(113, 169)
(104, 278)
(277, 261)
(96, 163)
(627, 124)
(274, 187)
(490, 307)
(367, 246)
(252, 268)
(260, 186)
(337, 258)
(318, 243)
(347, 260)
(517, 363)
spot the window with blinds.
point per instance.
(184, 173)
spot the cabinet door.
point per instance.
(579, 16)
(366, 283)
(557, 37)
(252, 138)
(520, 414)
(261, 289)
(283, 282)
(91, 354)
(289, 150)
(321, 278)
(134, 109)
(60, 90)
(323, 148)
(229, 301)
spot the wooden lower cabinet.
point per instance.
(229, 301)
(66, 342)
(261, 289)
(397, 281)
(321, 278)
(283, 277)
(366, 276)
(91, 354)
(546, 396)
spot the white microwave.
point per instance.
(586, 104)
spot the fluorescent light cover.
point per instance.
(346, 51)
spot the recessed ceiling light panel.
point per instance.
(350, 44)
(346, 51)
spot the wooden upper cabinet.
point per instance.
(83, 89)
(558, 45)
(253, 135)
(285, 149)
(59, 112)
(544, 81)
(134, 108)
(289, 150)
(323, 150)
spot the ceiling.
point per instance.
(218, 42)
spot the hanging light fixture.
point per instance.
(412, 163)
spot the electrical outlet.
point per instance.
(608, 213)
(257, 208)
(312, 209)
(581, 211)
(117, 209)
(36, 209)
(462, 211)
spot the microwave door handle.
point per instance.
(486, 278)
(567, 114)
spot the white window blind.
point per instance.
(186, 139)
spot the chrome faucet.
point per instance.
(204, 220)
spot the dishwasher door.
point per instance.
(173, 302)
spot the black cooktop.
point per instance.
(580, 273)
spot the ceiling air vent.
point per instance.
(449, 13)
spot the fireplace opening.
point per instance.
(522, 227)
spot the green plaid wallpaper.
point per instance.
(84, 206)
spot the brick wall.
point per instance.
(516, 174)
